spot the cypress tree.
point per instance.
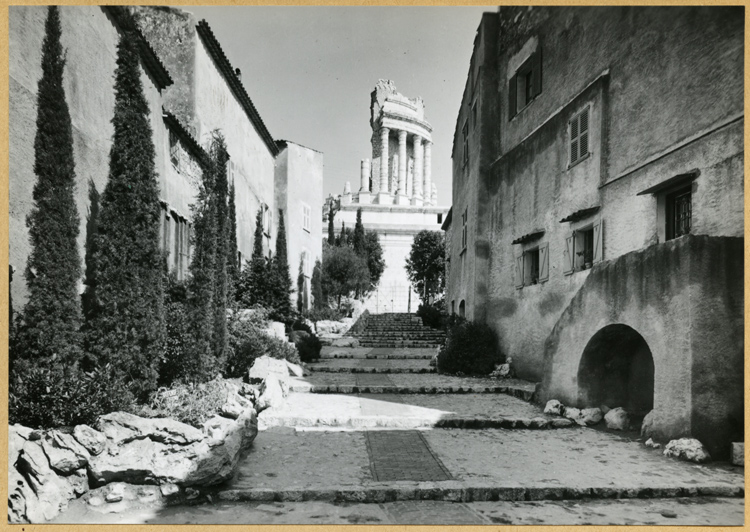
(128, 329)
(331, 233)
(219, 154)
(200, 299)
(253, 279)
(301, 287)
(358, 239)
(317, 287)
(282, 280)
(52, 316)
(233, 272)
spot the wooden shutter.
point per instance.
(536, 73)
(598, 241)
(519, 271)
(568, 255)
(583, 140)
(574, 140)
(543, 262)
(512, 101)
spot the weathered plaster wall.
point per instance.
(299, 181)
(90, 39)
(689, 314)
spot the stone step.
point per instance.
(405, 343)
(375, 357)
(409, 423)
(327, 369)
(526, 395)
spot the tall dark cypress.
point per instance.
(233, 266)
(221, 191)
(316, 286)
(282, 303)
(331, 232)
(358, 239)
(128, 329)
(254, 279)
(52, 316)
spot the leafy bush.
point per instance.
(308, 345)
(322, 314)
(190, 403)
(472, 348)
(433, 315)
(248, 341)
(47, 397)
(299, 325)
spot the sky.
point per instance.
(310, 70)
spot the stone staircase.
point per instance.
(399, 330)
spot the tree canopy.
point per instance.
(425, 265)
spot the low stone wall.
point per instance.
(46, 469)
(359, 325)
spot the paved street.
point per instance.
(427, 457)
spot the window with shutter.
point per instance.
(568, 256)
(598, 235)
(519, 271)
(525, 85)
(579, 137)
(544, 262)
(466, 142)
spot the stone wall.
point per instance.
(683, 298)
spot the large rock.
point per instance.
(332, 327)
(647, 427)
(345, 342)
(93, 440)
(584, 417)
(296, 370)
(688, 449)
(264, 366)
(64, 453)
(273, 393)
(45, 494)
(206, 462)
(617, 419)
(122, 427)
(738, 453)
(276, 329)
(554, 408)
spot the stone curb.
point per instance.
(381, 357)
(364, 422)
(326, 369)
(520, 393)
(459, 492)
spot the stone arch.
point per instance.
(462, 308)
(617, 369)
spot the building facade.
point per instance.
(192, 91)
(597, 175)
(396, 193)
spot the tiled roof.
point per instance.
(580, 214)
(225, 67)
(528, 237)
(151, 61)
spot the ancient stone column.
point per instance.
(364, 176)
(434, 194)
(384, 132)
(418, 167)
(402, 162)
(428, 170)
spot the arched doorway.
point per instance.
(462, 309)
(617, 369)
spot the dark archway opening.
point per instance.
(462, 309)
(617, 369)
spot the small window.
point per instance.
(532, 266)
(583, 248)
(464, 228)
(174, 150)
(466, 143)
(462, 309)
(440, 218)
(525, 85)
(474, 115)
(679, 212)
(266, 220)
(579, 137)
(306, 217)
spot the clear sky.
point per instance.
(310, 69)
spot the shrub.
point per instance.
(472, 348)
(48, 397)
(308, 345)
(191, 403)
(299, 325)
(248, 341)
(433, 315)
(322, 314)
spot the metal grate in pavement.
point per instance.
(376, 363)
(373, 379)
(403, 455)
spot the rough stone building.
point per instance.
(396, 193)
(192, 90)
(597, 222)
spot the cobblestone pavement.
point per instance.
(690, 511)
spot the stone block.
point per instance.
(738, 453)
